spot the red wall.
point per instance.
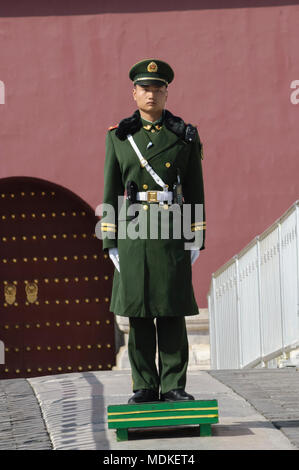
(66, 81)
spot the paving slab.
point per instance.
(273, 392)
(21, 422)
(74, 409)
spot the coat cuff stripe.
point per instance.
(198, 223)
(195, 229)
(108, 229)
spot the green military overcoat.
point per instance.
(155, 277)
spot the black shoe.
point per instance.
(178, 394)
(144, 395)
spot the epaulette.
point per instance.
(175, 124)
(200, 143)
(112, 127)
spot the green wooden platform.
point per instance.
(174, 413)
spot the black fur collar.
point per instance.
(173, 123)
(129, 125)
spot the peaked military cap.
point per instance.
(151, 71)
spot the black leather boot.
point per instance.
(144, 395)
(176, 395)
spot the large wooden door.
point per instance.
(55, 282)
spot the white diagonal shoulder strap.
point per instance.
(146, 165)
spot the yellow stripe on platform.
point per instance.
(162, 417)
(158, 411)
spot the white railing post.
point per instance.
(297, 244)
(281, 291)
(215, 322)
(212, 330)
(263, 364)
(240, 342)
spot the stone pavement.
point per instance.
(258, 411)
(21, 422)
(273, 392)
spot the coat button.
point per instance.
(167, 164)
(145, 186)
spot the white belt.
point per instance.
(144, 163)
(155, 196)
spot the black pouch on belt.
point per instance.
(132, 190)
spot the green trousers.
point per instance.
(171, 335)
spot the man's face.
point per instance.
(150, 98)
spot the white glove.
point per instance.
(113, 255)
(194, 254)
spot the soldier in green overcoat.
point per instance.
(152, 173)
